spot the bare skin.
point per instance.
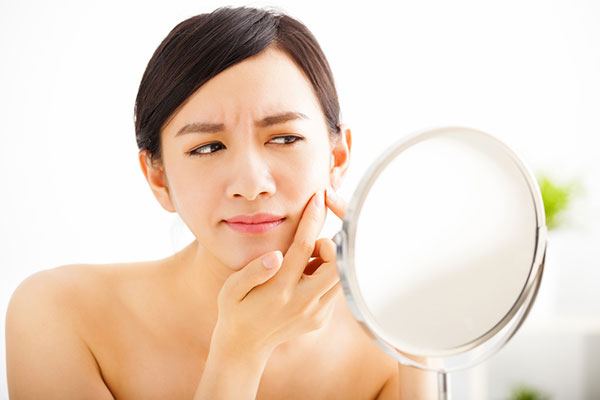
(210, 322)
(144, 354)
(146, 338)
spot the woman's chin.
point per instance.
(238, 264)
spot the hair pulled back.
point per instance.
(202, 46)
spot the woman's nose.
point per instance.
(250, 176)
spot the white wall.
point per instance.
(71, 187)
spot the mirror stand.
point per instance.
(443, 380)
(443, 386)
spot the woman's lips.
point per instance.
(254, 228)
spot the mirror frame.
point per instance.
(512, 320)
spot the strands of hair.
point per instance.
(200, 47)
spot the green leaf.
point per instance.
(525, 392)
(556, 199)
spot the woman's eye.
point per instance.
(287, 139)
(212, 148)
(206, 150)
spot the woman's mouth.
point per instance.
(256, 224)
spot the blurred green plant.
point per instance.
(556, 197)
(525, 392)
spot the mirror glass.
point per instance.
(445, 242)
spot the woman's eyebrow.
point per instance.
(280, 118)
(206, 127)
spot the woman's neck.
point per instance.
(198, 277)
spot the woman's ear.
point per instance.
(340, 157)
(157, 179)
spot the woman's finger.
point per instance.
(299, 253)
(257, 272)
(331, 293)
(325, 249)
(336, 203)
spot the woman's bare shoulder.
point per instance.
(65, 306)
(73, 282)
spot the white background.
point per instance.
(72, 190)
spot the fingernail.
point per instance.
(331, 195)
(271, 260)
(318, 199)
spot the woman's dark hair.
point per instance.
(202, 46)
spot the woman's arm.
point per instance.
(45, 358)
(229, 375)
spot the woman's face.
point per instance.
(251, 140)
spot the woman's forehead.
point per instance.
(264, 85)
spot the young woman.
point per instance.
(237, 121)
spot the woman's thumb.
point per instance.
(255, 273)
(272, 260)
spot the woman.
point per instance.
(237, 121)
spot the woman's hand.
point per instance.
(338, 206)
(275, 298)
(269, 301)
(336, 203)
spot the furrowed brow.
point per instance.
(205, 127)
(280, 118)
(201, 127)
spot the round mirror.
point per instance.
(458, 267)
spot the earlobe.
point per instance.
(336, 182)
(157, 179)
